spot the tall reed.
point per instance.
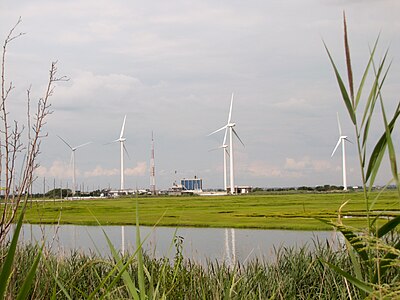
(372, 253)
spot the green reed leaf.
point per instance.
(386, 261)
(58, 282)
(28, 281)
(140, 257)
(379, 149)
(392, 152)
(387, 227)
(348, 61)
(364, 77)
(8, 262)
(352, 237)
(343, 90)
(372, 98)
(129, 283)
(358, 283)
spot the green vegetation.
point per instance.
(275, 211)
(295, 274)
(371, 249)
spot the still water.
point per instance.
(199, 244)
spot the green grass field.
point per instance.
(275, 211)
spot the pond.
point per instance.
(199, 244)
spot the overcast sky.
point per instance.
(171, 67)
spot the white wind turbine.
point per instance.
(342, 139)
(73, 149)
(121, 140)
(224, 148)
(229, 127)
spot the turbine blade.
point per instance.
(226, 132)
(337, 145)
(126, 151)
(114, 141)
(123, 128)
(230, 110)
(234, 131)
(222, 128)
(83, 145)
(227, 152)
(65, 142)
(338, 122)
(348, 140)
(213, 149)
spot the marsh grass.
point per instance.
(294, 274)
(276, 211)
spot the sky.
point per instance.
(171, 67)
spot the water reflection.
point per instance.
(200, 244)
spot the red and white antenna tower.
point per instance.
(152, 168)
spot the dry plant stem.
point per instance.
(12, 143)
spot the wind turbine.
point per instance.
(342, 139)
(121, 140)
(230, 127)
(73, 149)
(224, 147)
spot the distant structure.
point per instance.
(186, 187)
(194, 185)
(122, 140)
(152, 168)
(242, 189)
(229, 128)
(73, 149)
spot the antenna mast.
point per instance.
(152, 168)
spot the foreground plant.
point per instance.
(14, 150)
(15, 192)
(373, 252)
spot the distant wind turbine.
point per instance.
(229, 127)
(73, 149)
(342, 139)
(122, 140)
(224, 148)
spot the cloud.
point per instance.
(140, 169)
(99, 171)
(306, 163)
(293, 104)
(291, 168)
(58, 169)
(262, 169)
(84, 84)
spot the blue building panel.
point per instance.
(195, 184)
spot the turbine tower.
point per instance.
(229, 127)
(152, 168)
(73, 149)
(224, 148)
(342, 139)
(122, 140)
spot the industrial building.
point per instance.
(194, 185)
